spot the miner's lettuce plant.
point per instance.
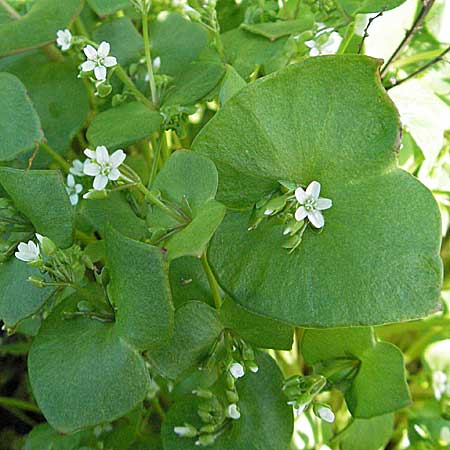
(215, 227)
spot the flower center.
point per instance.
(310, 204)
(106, 169)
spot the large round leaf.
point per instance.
(377, 258)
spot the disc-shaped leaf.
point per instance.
(20, 127)
(82, 373)
(41, 196)
(140, 291)
(123, 125)
(266, 420)
(377, 258)
(39, 26)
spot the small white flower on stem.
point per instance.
(440, 383)
(73, 189)
(102, 166)
(28, 252)
(77, 168)
(64, 39)
(325, 414)
(186, 431)
(98, 60)
(311, 205)
(237, 370)
(157, 63)
(330, 47)
(233, 412)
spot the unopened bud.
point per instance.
(37, 281)
(47, 246)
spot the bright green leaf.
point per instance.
(82, 373)
(124, 125)
(232, 83)
(275, 30)
(106, 7)
(353, 7)
(41, 196)
(44, 437)
(140, 291)
(20, 127)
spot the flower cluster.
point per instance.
(325, 42)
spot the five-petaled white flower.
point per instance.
(98, 60)
(440, 384)
(311, 204)
(73, 189)
(233, 412)
(77, 168)
(237, 370)
(102, 166)
(326, 414)
(64, 39)
(28, 252)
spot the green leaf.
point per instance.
(275, 30)
(41, 196)
(117, 212)
(380, 386)
(353, 7)
(266, 420)
(44, 437)
(197, 327)
(258, 331)
(126, 43)
(361, 269)
(367, 434)
(39, 26)
(60, 98)
(82, 373)
(178, 42)
(140, 291)
(18, 298)
(232, 83)
(106, 7)
(193, 239)
(20, 127)
(124, 125)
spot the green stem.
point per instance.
(349, 33)
(20, 404)
(53, 53)
(158, 408)
(56, 156)
(213, 284)
(122, 75)
(148, 59)
(10, 10)
(154, 200)
(80, 27)
(155, 161)
(418, 57)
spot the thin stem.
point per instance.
(56, 156)
(213, 284)
(122, 75)
(154, 200)
(417, 25)
(158, 408)
(349, 33)
(10, 10)
(20, 404)
(426, 66)
(155, 162)
(148, 58)
(366, 30)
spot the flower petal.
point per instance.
(91, 169)
(70, 180)
(78, 188)
(22, 256)
(73, 199)
(114, 174)
(90, 52)
(100, 182)
(316, 219)
(90, 153)
(300, 214)
(88, 66)
(300, 195)
(117, 158)
(313, 190)
(110, 61)
(22, 247)
(103, 49)
(324, 203)
(101, 154)
(100, 73)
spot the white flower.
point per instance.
(77, 168)
(440, 385)
(73, 189)
(186, 431)
(330, 47)
(444, 436)
(311, 204)
(233, 412)
(102, 166)
(157, 63)
(237, 370)
(28, 252)
(64, 39)
(98, 60)
(325, 414)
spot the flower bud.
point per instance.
(37, 281)
(232, 396)
(93, 194)
(103, 89)
(187, 430)
(47, 246)
(205, 440)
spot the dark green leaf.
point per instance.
(140, 291)
(106, 7)
(44, 437)
(124, 125)
(20, 127)
(41, 196)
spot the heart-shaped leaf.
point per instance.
(377, 257)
